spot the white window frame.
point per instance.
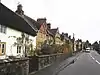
(19, 49)
(1, 45)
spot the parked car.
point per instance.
(87, 50)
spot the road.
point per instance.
(86, 64)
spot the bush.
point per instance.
(55, 48)
(51, 49)
(47, 49)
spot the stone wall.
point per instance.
(14, 67)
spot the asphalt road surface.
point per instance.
(86, 64)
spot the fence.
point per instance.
(39, 62)
(14, 67)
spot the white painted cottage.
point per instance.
(17, 31)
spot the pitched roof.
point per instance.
(12, 20)
(64, 36)
(54, 31)
(48, 31)
(31, 22)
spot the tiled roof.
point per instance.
(63, 36)
(54, 31)
(48, 31)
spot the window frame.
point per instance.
(19, 49)
(3, 29)
(4, 49)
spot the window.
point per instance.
(2, 48)
(3, 29)
(18, 49)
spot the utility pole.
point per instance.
(73, 41)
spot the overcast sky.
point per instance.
(81, 17)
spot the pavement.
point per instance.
(85, 64)
(57, 67)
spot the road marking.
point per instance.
(97, 62)
(94, 59)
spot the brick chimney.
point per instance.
(69, 37)
(66, 34)
(19, 10)
(63, 34)
(48, 25)
(41, 20)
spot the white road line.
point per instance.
(94, 59)
(97, 62)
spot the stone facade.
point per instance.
(42, 33)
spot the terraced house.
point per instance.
(67, 42)
(42, 33)
(50, 36)
(17, 32)
(57, 36)
(46, 35)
